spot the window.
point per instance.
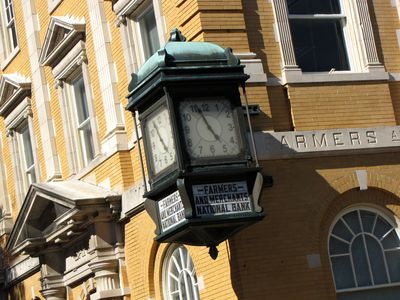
(317, 33)
(64, 50)
(330, 37)
(8, 29)
(78, 112)
(26, 155)
(180, 281)
(364, 250)
(15, 108)
(142, 29)
(148, 32)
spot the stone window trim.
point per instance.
(127, 14)
(15, 108)
(6, 221)
(362, 47)
(73, 63)
(380, 213)
(7, 58)
(57, 43)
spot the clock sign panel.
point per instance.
(209, 128)
(160, 140)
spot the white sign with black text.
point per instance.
(171, 211)
(221, 198)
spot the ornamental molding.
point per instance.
(14, 88)
(126, 7)
(61, 36)
(55, 213)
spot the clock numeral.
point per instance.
(230, 126)
(225, 148)
(194, 108)
(232, 140)
(187, 129)
(187, 117)
(204, 107)
(212, 149)
(189, 143)
(217, 107)
(200, 149)
(228, 113)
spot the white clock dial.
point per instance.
(160, 140)
(209, 128)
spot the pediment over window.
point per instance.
(13, 90)
(62, 34)
(55, 212)
(126, 7)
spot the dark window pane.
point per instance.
(367, 220)
(375, 255)
(80, 99)
(393, 262)
(342, 272)
(338, 247)
(319, 45)
(360, 262)
(342, 231)
(381, 227)
(304, 7)
(391, 240)
(353, 221)
(149, 34)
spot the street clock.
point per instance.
(204, 184)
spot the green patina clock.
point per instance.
(204, 184)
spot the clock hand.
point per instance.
(159, 136)
(208, 125)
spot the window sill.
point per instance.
(9, 58)
(297, 76)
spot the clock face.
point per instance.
(209, 128)
(160, 140)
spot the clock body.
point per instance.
(210, 129)
(159, 137)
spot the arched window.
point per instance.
(180, 281)
(364, 250)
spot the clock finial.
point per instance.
(176, 36)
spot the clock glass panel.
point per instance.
(209, 128)
(160, 140)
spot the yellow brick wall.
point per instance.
(385, 22)
(220, 22)
(270, 257)
(259, 19)
(341, 105)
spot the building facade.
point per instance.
(325, 87)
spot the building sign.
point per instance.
(171, 211)
(276, 145)
(21, 268)
(221, 198)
